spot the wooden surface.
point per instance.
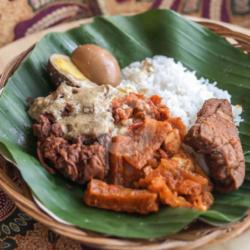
(10, 51)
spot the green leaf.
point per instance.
(129, 39)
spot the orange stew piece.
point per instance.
(120, 199)
(178, 187)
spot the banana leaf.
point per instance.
(157, 32)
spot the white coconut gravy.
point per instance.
(90, 109)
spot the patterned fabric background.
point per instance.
(19, 18)
(23, 17)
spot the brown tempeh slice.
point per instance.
(117, 198)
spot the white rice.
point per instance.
(179, 88)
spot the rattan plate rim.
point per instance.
(186, 240)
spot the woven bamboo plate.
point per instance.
(197, 235)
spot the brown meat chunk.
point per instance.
(215, 135)
(45, 127)
(79, 160)
(117, 198)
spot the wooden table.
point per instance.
(10, 51)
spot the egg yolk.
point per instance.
(68, 67)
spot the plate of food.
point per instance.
(131, 131)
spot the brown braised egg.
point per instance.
(97, 64)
